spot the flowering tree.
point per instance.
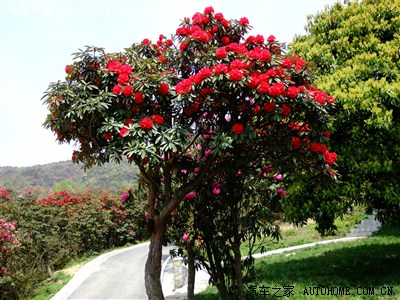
(187, 108)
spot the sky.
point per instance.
(37, 39)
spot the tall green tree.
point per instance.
(354, 50)
(186, 109)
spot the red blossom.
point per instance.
(157, 119)
(221, 53)
(286, 63)
(183, 31)
(125, 69)
(201, 35)
(163, 89)
(315, 147)
(128, 90)
(296, 142)
(263, 87)
(123, 132)
(123, 79)
(107, 136)
(235, 75)
(330, 157)
(183, 46)
(271, 39)
(113, 66)
(209, 10)
(128, 122)
(269, 106)
(184, 86)
(146, 42)
(225, 40)
(276, 89)
(285, 110)
(138, 97)
(292, 92)
(117, 90)
(68, 68)
(238, 128)
(237, 64)
(146, 124)
(265, 55)
(221, 68)
(244, 21)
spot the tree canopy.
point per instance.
(354, 50)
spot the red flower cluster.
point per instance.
(123, 132)
(4, 194)
(60, 198)
(238, 128)
(163, 89)
(69, 68)
(184, 86)
(146, 124)
(138, 97)
(157, 119)
(330, 157)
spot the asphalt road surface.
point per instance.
(115, 275)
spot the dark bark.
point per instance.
(238, 267)
(221, 286)
(191, 271)
(153, 263)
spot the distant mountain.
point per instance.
(66, 175)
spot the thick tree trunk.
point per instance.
(238, 272)
(191, 271)
(237, 254)
(153, 263)
(221, 286)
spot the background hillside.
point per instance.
(65, 175)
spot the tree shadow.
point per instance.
(351, 265)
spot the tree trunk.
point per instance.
(153, 263)
(221, 286)
(238, 272)
(237, 254)
(191, 271)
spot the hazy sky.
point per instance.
(37, 39)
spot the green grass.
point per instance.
(47, 289)
(293, 235)
(371, 262)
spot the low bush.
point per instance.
(41, 236)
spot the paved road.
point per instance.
(115, 275)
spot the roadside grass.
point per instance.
(47, 289)
(365, 266)
(299, 235)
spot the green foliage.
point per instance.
(353, 50)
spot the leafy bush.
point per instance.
(55, 229)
